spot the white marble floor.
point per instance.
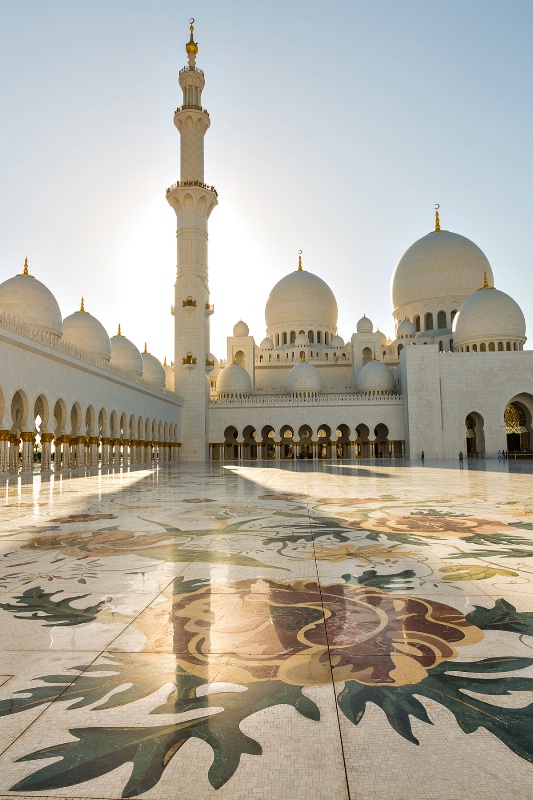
(273, 631)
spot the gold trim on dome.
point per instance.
(437, 219)
(25, 273)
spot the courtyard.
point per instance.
(280, 631)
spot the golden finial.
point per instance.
(25, 271)
(300, 268)
(437, 220)
(165, 362)
(82, 306)
(191, 46)
(145, 349)
(118, 332)
(486, 284)
(302, 357)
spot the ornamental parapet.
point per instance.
(191, 69)
(200, 184)
(321, 400)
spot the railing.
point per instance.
(321, 400)
(192, 183)
(191, 69)
(20, 328)
(192, 107)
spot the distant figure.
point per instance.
(499, 454)
(422, 456)
(460, 458)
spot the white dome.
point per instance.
(441, 266)
(405, 328)
(169, 377)
(124, 354)
(267, 344)
(301, 339)
(234, 379)
(337, 341)
(304, 377)
(153, 370)
(365, 325)
(241, 329)
(382, 337)
(28, 300)
(301, 299)
(489, 314)
(83, 330)
(375, 376)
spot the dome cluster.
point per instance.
(27, 300)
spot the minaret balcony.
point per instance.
(210, 309)
(201, 185)
(191, 69)
(189, 360)
(189, 106)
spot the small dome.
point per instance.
(337, 341)
(153, 370)
(301, 340)
(83, 330)
(124, 354)
(440, 267)
(365, 325)
(234, 379)
(169, 376)
(405, 328)
(489, 314)
(304, 377)
(241, 329)
(382, 337)
(375, 376)
(267, 344)
(301, 299)
(28, 300)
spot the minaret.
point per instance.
(193, 201)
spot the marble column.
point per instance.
(4, 450)
(116, 452)
(80, 451)
(46, 451)
(28, 439)
(126, 455)
(106, 442)
(93, 451)
(147, 453)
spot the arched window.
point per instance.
(467, 348)
(508, 345)
(474, 348)
(400, 348)
(482, 347)
(284, 337)
(326, 338)
(319, 337)
(500, 346)
(441, 320)
(417, 323)
(428, 321)
(311, 337)
(299, 332)
(277, 339)
(260, 359)
(515, 346)
(440, 347)
(302, 355)
(293, 337)
(492, 347)
(384, 354)
(452, 316)
(451, 344)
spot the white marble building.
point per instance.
(455, 377)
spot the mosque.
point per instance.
(454, 377)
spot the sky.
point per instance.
(335, 128)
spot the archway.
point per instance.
(249, 445)
(287, 437)
(343, 441)
(518, 424)
(475, 435)
(324, 441)
(381, 441)
(268, 437)
(305, 433)
(366, 355)
(362, 444)
(231, 448)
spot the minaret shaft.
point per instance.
(192, 201)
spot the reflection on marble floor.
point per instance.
(282, 631)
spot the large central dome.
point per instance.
(438, 267)
(301, 299)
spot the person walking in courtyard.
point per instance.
(460, 458)
(422, 456)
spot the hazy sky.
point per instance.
(335, 128)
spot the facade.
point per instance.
(454, 377)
